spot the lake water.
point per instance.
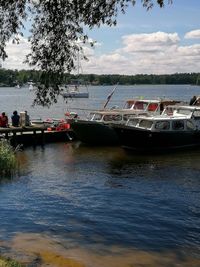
(73, 205)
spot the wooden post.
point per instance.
(43, 137)
(34, 138)
(14, 139)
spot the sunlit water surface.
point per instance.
(73, 205)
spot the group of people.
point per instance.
(15, 119)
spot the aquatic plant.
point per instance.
(7, 262)
(8, 162)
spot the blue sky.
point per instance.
(182, 16)
(157, 41)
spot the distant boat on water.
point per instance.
(76, 89)
(17, 86)
(31, 86)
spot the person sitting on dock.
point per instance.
(15, 119)
(3, 120)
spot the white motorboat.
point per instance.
(95, 128)
(177, 130)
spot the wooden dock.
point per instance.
(30, 135)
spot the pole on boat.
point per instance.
(109, 96)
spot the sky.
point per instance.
(158, 41)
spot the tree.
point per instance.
(56, 32)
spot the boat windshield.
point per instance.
(145, 124)
(196, 113)
(140, 105)
(129, 104)
(184, 111)
(152, 107)
(169, 111)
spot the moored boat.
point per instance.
(95, 129)
(76, 89)
(75, 94)
(161, 133)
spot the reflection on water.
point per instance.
(74, 205)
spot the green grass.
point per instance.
(8, 162)
(7, 262)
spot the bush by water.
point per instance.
(8, 162)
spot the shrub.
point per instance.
(8, 162)
(7, 262)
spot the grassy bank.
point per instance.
(8, 162)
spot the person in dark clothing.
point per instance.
(193, 100)
(15, 119)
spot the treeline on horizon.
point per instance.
(21, 77)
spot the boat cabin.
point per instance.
(183, 118)
(188, 111)
(163, 124)
(111, 116)
(149, 106)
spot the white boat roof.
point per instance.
(117, 111)
(184, 107)
(162, 117)
(158, 100)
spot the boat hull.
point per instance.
(94, 133)
(146, 140)
(75, 95)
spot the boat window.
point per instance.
(117, 117)
(140, 105)
(196, 113)
(95, 117)
(107, 117)
(112, 117)
(184, 111)
(178, 125)
(152, 106)
(168, 111)
(129, 104)
(127, 116)
(90, 116)
(133, 122)
(190, 125)
(162, 125)
(145, 124)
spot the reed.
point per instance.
(8, 162)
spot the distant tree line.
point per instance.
(21, 77)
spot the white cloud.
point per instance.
(154, 53)
(17, 54)
(151, 42)
(195, 34)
